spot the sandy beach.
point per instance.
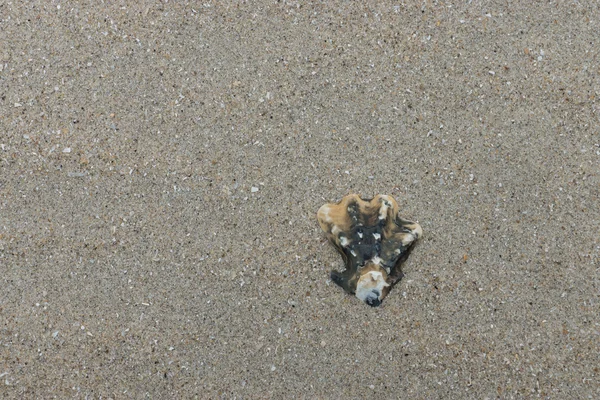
(162, 164)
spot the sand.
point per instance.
(161, 166)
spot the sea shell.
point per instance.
(373, 241)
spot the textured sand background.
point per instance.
(137, 260)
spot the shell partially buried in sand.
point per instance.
(373, 241)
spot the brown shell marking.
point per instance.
(373, 241)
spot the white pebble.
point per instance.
(254, 189)
(67, 150)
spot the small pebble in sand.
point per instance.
(254, 189)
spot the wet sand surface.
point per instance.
(161, 166)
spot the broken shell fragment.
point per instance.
(373, 241)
